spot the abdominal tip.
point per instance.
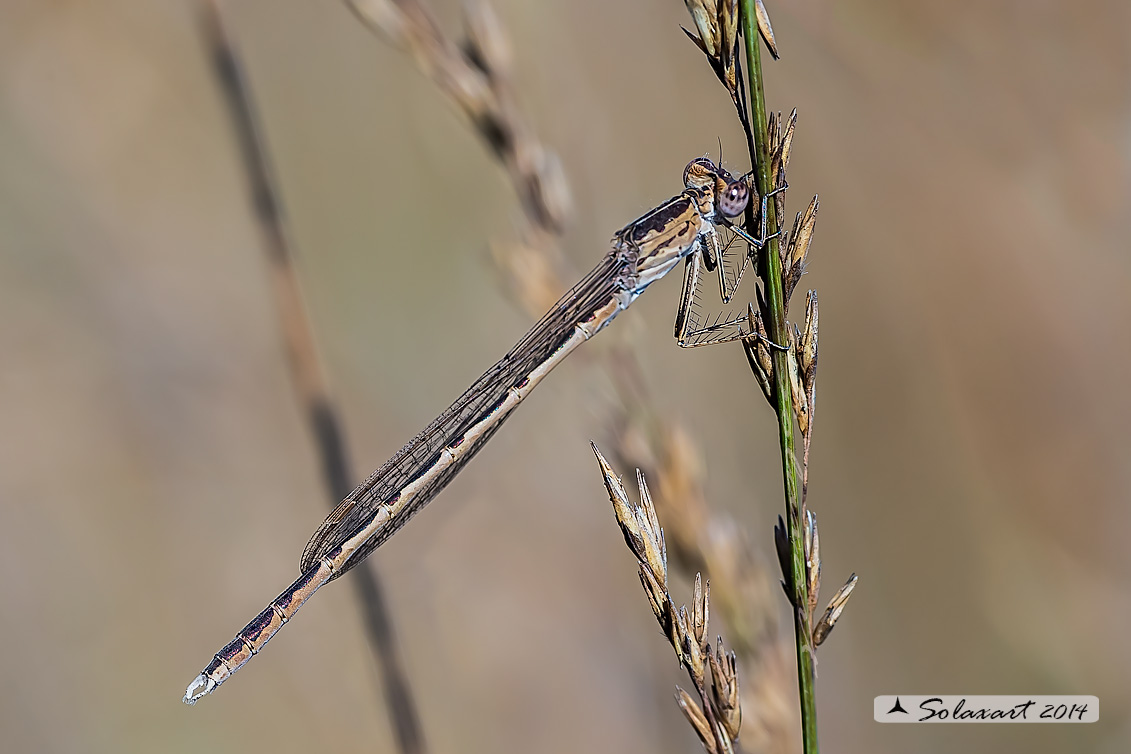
(200, 686)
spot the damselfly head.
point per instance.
(731, 195)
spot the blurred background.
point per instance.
(157, 483)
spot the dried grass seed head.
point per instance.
(807, 355)
(487, 44)
(800, 400)
(795, 252)
(724, 689)
(716, 24)
(758, 353)
(694, 657)
(705, 15)
(701, 608)
(812, 541)
(765, 29)
(832, 613)
(694, 714)
(638, 523)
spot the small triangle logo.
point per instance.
(898, 708)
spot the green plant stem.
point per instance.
(776, 326)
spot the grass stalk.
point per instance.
(770, 272)
(307, 372)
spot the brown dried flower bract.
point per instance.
(832, 612)
(793, 253)
(716, 22)
(717, 715)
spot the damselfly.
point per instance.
(684, 227)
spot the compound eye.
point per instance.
(699, 173)
(734, 198)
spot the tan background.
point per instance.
(157, 485)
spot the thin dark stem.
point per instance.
(744, 118)
(311, 385)
(368, 588)
(744, 114)
(770, 273)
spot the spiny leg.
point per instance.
(727, 290)
(692, 267)
(689, 333)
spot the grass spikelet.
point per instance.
(717, 714)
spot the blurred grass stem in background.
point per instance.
(312, 389)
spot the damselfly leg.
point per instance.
(691, 328)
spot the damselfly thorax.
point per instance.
(686, 227)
